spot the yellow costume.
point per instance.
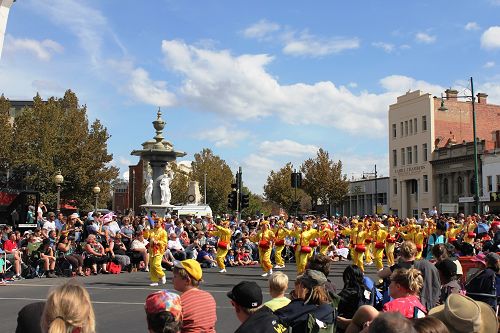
(358, 236)
(280, 233)
(379, 241)
(264, 239)
(469, 234)
(303, 251)
(224, 233)
(158, 240)
(368, 242)
(453, 231)
(390, 242)
(326, 236)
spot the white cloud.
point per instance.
(495, 2)
(240, 87)
(489, 64)
(493, 91)
(261, 29)
(405, 47)
(491, 38)
(353, 85)
(43, 50)
(222, 136)
(125, 175)
(149, 91)
(47, 86)
(286, 148)
(353, 165)
(256, 168)
(387, 47)
(422, 37)
(124, 161)
(309, 45)
(471, 26)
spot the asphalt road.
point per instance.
(119, 299)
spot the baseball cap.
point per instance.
(191, 266)
(447, 267)
(247, 294)
(164, 301)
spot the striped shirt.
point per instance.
(198, 311)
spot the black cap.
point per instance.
(447, 267)
(247, 294)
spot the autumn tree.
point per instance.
(219, 178)
(56, 135)
(323, 179)
(5, 134)
(179, 185)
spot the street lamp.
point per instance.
(476, 163)
(376, 189)
(58, 180)
(96, 191)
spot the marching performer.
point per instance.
(224, 233)
(379, 239)
(303, 237)
(357, 237)
(368, 242)
(390, 241)
(326, 236)
(418, 239)
(264, 239)
(280, 233)
(453, 231)
(157, 246)
(469, 234)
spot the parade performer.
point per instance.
(358, 236)
(379, 239)
(469, 234)
(453, 231)
(264, 239)
(390, 241)
(326, 236)
(368, 242)
(224, 233)
(157, 246)
(280, 233)
(418, 239)
(303, 250)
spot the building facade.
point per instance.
(417, 126)
(491, 180)
(361, 197)
(120, 197)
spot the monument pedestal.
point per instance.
(160, 210)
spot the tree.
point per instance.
(219, 178)
(55, 135)
(323, 179)
(278, 187)
(5, 134)
(179, 185)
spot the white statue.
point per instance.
(148, 194)
(165, 189)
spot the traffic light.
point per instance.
(231, 201)
(296, 179)
(245, 201)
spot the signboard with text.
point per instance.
(409, 171)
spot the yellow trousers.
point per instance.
(357, 259)
(378, 256)
(368, 253)
(301, 260)
(389, 252)
(220, 256)
(265, 259)
(278, 258)
(155, 270)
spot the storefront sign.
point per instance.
(409, 171)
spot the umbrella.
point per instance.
(482, 228)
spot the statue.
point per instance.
(165, 189)
(148, 194)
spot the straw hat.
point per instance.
(462, 314)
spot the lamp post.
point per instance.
(376, 189)
(96, 191)
(476, 162)
(58, 180)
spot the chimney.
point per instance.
(482, 98)
(451, 93)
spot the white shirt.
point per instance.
(175, 245)
(138, 245)
(49, 225)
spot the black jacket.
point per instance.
(295, 314)
(264, 320)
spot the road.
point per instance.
(119, 299)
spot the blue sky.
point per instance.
(260, 83)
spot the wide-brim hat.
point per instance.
(462, 314)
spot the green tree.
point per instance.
(179, 185)
(278, 188)
(219, 178)
(5, 134)
(56, 135)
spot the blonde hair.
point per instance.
(68, 307)
(278, 283)
(410, 279)
(408, 249)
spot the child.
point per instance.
(278, 284)
(241, 257)
(230, 259)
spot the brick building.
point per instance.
(418, 125)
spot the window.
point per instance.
(402, 132)
(489, 182)
(424, 151)
(411, 126)
(445, 186)
(498, 183)
(395, 186)
(426, 183)
(402, 156)
(394, 157)
(393, 130)
(406, 127)
(460, 185)
(413, 186)
(415, 125)
(424, 123)
(408, 154)
(415, 153)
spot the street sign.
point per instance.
(465, 199)
(448, 208)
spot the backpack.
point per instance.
(29, 272)
(317, 326)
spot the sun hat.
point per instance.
(164, 301)
(312, 278)
(481, 257)
(192, 267)
(462, 314)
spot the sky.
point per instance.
(260, 83)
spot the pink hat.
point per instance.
(481, 257)
(164, 301)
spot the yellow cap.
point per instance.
(192, 267)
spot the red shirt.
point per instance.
(404, 305)
(198, 311)
(9, 246)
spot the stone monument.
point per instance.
(158, 153)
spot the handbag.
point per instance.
(360, 248)
(379, 245)
(305, 249)
(222, 245)
(279, 242)
(114, 268)
(264, 244)
(313, 243)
